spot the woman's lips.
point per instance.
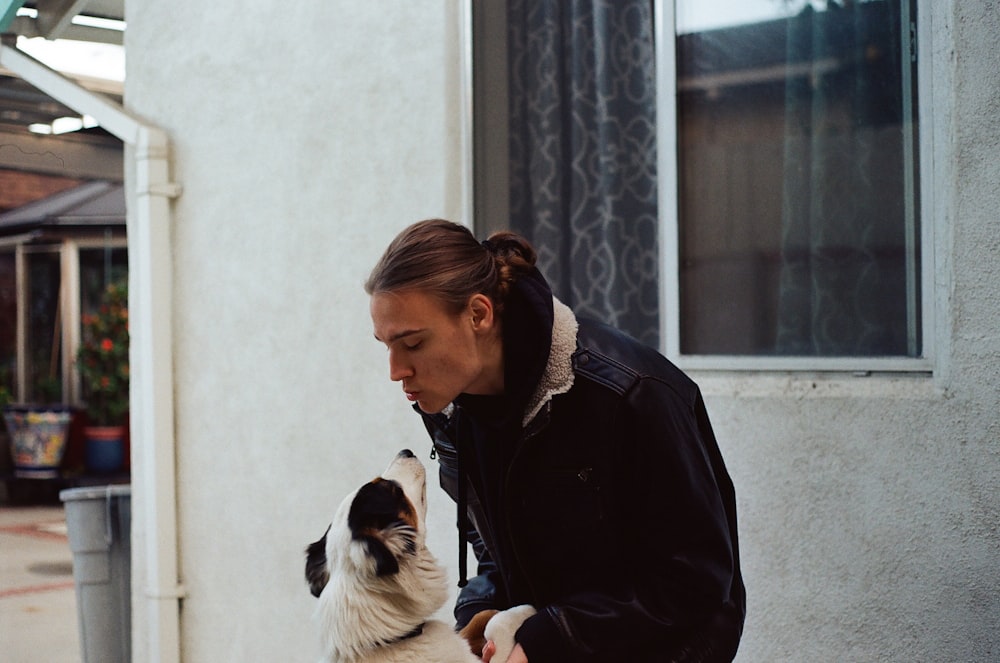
(411, 395)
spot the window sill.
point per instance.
(802, 385)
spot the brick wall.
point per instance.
(18, 188)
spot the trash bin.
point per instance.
(98, 521)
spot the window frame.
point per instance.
(669, 223)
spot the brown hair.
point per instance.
(444, 259)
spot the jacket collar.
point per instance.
(557, 378)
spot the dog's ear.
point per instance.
(317, 575)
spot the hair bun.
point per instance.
(513, 249)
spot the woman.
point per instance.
(586, 473)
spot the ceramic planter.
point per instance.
(37, 439)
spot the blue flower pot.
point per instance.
(105, 448)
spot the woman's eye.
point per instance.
(413, 346)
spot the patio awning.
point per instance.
(96, 204)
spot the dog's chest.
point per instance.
(438, 643)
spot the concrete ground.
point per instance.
(38, 614)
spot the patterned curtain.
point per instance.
(843, 278)
(583, 153)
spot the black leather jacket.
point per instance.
(617, 518)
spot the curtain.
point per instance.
(843, 285)
(583, 153)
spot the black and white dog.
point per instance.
(378, 585)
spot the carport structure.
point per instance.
(149, 192)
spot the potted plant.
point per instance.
(38, 432)
(102, 361)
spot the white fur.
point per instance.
(361, 615)
(501, 628)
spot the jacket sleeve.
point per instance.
(481, 591)
(680, 564)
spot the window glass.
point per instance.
(797, 170)
(99, 268)
(44, 339)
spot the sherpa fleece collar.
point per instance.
(557, 378)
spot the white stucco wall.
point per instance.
(305, 135)
(305, 138)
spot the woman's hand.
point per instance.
(516, 656)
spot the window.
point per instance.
(795, 238)
(99, 267)
(780, 172)
(43, 340)
(565, 113)
(44, 288)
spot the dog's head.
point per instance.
(376, 529)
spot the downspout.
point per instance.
(151, 349)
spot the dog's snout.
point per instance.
(405, 453)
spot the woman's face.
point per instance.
(438, 355)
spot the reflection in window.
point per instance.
(44, 338)
(797, 179)
(99, 268)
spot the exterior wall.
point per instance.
(20, 188)
(305, 136)
(304, 140)
(868, 505)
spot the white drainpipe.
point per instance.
(151, 347)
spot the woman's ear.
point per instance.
(482, 313)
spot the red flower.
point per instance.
(103, 358)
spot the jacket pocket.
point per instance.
(563, 530)
(567, 502)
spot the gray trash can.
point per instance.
(98, 521)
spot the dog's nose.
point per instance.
(405, 453)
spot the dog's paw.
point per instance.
(473, 631)
(502, 627)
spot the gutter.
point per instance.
(151, 398)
